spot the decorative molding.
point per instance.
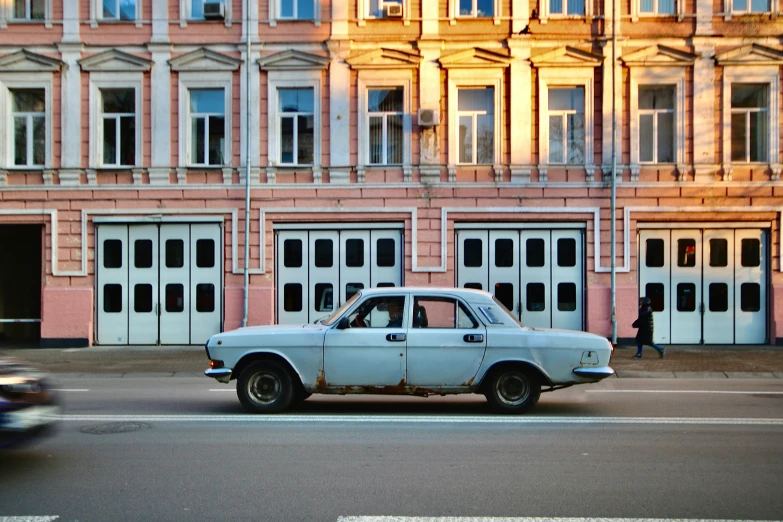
(658, 56)
(384, 59)
(70, 177)
(474, 58)
(115, 60)
(137, 176)
(293, 60)
(751, 54)
(567, 56)
(228, 175)
(25, 61)
(520, 175)
(204, 60)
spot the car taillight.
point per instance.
(215, 364)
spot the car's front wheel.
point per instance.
(513, 390)
(265, 387)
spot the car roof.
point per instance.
(468, 294)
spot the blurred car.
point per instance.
(29, 407)
(407, 341)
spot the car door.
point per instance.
(372, 350)
(446, 342)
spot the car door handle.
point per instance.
(474, 338)
(396, 337)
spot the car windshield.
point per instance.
(332, 318)
(502, 307)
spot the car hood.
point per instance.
(271, 329)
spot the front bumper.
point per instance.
(222, 375)
(22, 425)
(594, 372)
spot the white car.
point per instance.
(407, 341)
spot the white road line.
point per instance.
(517, 519)
(28, 519)
(690, 391)
(421, 419)
(222, 389)
(68, 390)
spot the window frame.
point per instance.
(454, 14)
(197, 80)
(7, 15)
(113, 80)
(746, 111)
(96, 11)
(295, 80)
(658, 76)
(459, 305)
(636, 11)
(185, 13)
(295, 117)
(761, 74)
(9, 82)
(544, 13)
(563, 113)
(728, 9)
(276, 9)
(468, 78)
(378, 80)
(569, 77)
(29, 118)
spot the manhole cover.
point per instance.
(114, 427)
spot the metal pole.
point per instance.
(614, 175)
(246, 271)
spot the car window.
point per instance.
(441, 312)
(349, 303)
(379, 312)
(505, 311)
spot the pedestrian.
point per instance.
(645, 325)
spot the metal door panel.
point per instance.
(112, 301)
(536, 287)
(386, 258)
(472, 259)
(686, 286)
(718, 290)
(567, 279)
(292, 277)
(750, 285)
(143, 290)
(175, 262)
(324, 273)
(503, 261)
(655, 279)
(206, 269)
(354, 262)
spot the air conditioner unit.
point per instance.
(392, 10)
(214, 10)
(429, 117)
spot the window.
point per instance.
(650, 7)
(686, 252)
(175, 253)
(205, 253)
(354, 253)
(29, 10)
(118, 107)
(473, 252)
(566, 297)
(686, 297)
(566, 252)
(476, 125)
(324, 297)
(535, 252)
(477, 8)
(297, 10)
(175, 298)
(292, 253)
(566, 7)
(567, 125)
(654, 257)
(197, 8)
(112, 253)
(504, 292)
(719, 252)
(207, 126)
(142, 253)
(536, 297)
(142, 298)
(504, 253)
(750, 6)
(112, 298)
(750, 252)
(374, 8)
(292, 297)
(385, 252)
(719, 297)
(118, 9)
(441, 312)
(296, 125)
(205, 297)
(655, 291)
(324, 253)
(656, 123)
(384, 115)
(750, 297)
(28, 109)
(749, 107)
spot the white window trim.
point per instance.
(544, 14)
(7, 15)
(275, 9)
(201, 80)
(770, 75)
(659, 76)
(369, 79)
(636, 11)
(728, 9)
(570, 77)
(185, 16)
(563, 115)
(454, 12)
(466, 78)
(29, 81)
(96, 11)
(363, 12)
(292, 79)
(112, 80)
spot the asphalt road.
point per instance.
(181, 449)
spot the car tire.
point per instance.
(513, 390)
(265, 387)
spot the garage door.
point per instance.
(536, 273)
(318, 270)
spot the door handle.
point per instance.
(474, 338)
(395, 337)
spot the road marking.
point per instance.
(690, 391)
(70, 389)
(422, 419)
(222, 389)
(518, 519)
(28, 519)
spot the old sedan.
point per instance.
(409, 341)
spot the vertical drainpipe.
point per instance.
(246, 271)
(614, 174)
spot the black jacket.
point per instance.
(645, 325)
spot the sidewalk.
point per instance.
(681, 361)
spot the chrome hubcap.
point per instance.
(512, 388)
(264, 387)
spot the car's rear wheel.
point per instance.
(513, 390)
(265, 387)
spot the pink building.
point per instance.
(416, 142)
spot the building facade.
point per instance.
(415, 142)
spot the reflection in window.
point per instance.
(296, 117)
(292, 253)
(385, 110)
(354, 252)
(324, 253)
(175, 253)
(656, 115)
(385, 252)
(352, 289)
(535, 253)
(324, 297)
(175, 298)
(567, 121)
(205, 253)
(292, 297)
(751, 252)
(566, 252)
(654, 291)
(476, 125)
(112, 298)
(504, 252)
(749, 115)
(719, 297)
(142, 253)
(566, 297)
(474, 286)
(505, 294)
(205, 297)
(750, 297)
(472, 252)
(686, 252)
(536, 297)
(207, 126)
(719, 252)
(112, 253)
(654, 256)
(142, 298)
(686, 297)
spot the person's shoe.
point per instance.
(637, 356)
(663, 353)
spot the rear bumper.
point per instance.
(594, 372)
(219, 374)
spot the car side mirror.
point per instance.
(343, 324)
